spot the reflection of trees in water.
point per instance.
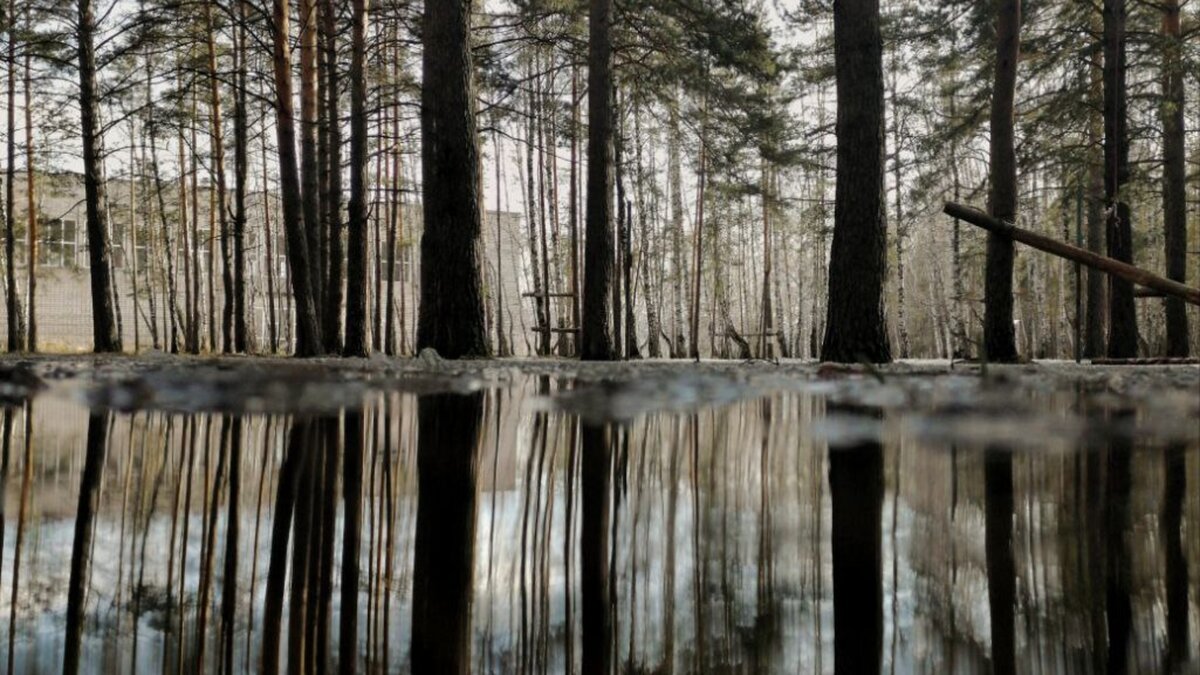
(230, 540)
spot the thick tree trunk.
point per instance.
(1174, 176)
(308, 341)
(451, 311)
(1122, 314)
(998, 337)
(357, 341)
(104, 327)
(598, 245)
(855, 327)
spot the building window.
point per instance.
(117, 244)
(59, 243)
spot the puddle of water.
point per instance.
(509, 524)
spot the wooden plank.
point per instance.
(1109, 266)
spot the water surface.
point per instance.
(548, 521)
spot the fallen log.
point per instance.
(1116, 268)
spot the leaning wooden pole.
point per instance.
(1107, 265)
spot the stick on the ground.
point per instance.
(1109, 266)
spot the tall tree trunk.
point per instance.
(1097, 281)
(598, 243)
(241, 169)
(765, 317)
(537, 126)
(576, 303)
(1122, 314)
(856, 325)
(501, 345)
(998, 338)
(309, 163)
(357, 343)
(16, 325)
(532, 220)
(649, 248)
(394, 219)
(104, 328)
(698, 237)
(218, 150)
(191, 271)
(901, 229)
(332, 200)
(678, 256)
(451, 311)
(136, 164)
(1174, 176)
(169, 254)
(308, 342)
(31, 215)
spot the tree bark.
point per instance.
(998, 336)
(357, 341)
(1097, 295)
(31, 215)
(1122, 314)
(332, 200)
(451, 310)
(104, 328)
(241, 169)
(678, 257)
(309, 164)
(308, 340)
(1174, 176)
(855, 327)
(598, 244)
(218, 150)
(16, 325)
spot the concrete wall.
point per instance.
(64, 296)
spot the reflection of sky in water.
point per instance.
(759, 556)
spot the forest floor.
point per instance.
(943, 400)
